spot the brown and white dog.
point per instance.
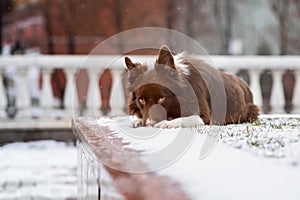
(181, 91)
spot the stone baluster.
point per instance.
(93, 95)
(23, 97)
(71, 98)
(296, 98)
(117, 93)
(47, 95)
(255, 87)
(277, 95)
(2, 92)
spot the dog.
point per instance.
(182, 91)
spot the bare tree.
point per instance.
(281, 11)
(66, 17)
(119, 21)
(69, 22)
(297, 5)
(191, 14)
(46, 6)
(171, 13)
(223, 13)
(228, 23)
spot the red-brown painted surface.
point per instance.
(107, 148)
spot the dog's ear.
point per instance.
(135, 70)
(165, 57)
(130, 65)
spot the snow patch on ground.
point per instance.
(43, 169)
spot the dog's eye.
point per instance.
(161, 99)
(142, 101)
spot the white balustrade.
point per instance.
(232, 71)
(296, 97)
(23, 98)
(46, 97)
(255, 87)
(2, 92)
(93, 95)
(254, 65)
(277, 96)
(71, 99)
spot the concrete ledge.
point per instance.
(28, 129)
(26, 135)
(34, 125)
(101, 146)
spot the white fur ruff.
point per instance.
(179, 64)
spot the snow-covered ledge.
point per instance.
(104, 164)
(246, 161)
(95, 66)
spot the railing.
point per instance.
(95, 66)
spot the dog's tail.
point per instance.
(253, 112)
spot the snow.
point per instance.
(143, 138)
(229, 173)
(245, 161)
(43, 169)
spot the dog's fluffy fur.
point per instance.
(181, 87)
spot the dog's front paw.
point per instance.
(175, 123)
(137, 123)
(183, 122)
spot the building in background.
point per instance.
(72, 27)
(75, 26)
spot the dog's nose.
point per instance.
(157, 113)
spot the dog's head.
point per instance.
(155, 92)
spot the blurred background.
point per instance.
(222, 27)
(229, 27)
(35, 101)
